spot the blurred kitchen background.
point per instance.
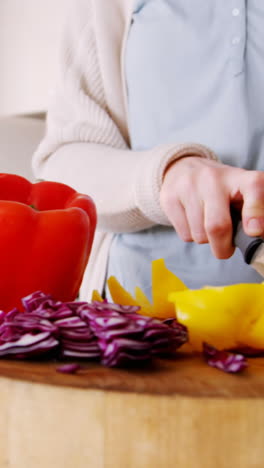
(30, 33)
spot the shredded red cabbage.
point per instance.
(114, 334)
(29, 345)
(223, 360)
(125, 336)
(69, 368)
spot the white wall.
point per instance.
(29, 40)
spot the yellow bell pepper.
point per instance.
(118, 293)
(163, 281)
(225, 317)
(96, 296)
(143, 301)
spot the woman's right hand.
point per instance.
(196, 195)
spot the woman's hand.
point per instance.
(196, 196)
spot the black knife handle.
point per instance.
(246, 244)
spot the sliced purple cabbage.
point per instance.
(56, 313)
(125, 336)
(31, 302)
(71, 323)
(68, 368)
(114, 334)
(77, 340)
(27, 322)
(111, 307)
(223, 360)
(90, 355)
(29, 345)
(124, 351)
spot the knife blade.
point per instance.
(252, 248)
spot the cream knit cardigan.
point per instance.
(87, 138)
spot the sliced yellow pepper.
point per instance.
(163, 281)
(118, 293)
(143, 302)
(96, 296)
(226, 317)
(254, 337)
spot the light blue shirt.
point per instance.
(195, 73)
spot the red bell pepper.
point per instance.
(46, 234)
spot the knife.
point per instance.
(252, 248)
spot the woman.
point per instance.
(157, 115)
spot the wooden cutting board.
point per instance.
(174, 413)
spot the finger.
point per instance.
(194, 209)
(218, 225)
(180, 222)
(253, 206)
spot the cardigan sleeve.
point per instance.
(84, 147)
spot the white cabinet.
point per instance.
(30, 32)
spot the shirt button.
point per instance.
(236, 40)
(235, 12)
